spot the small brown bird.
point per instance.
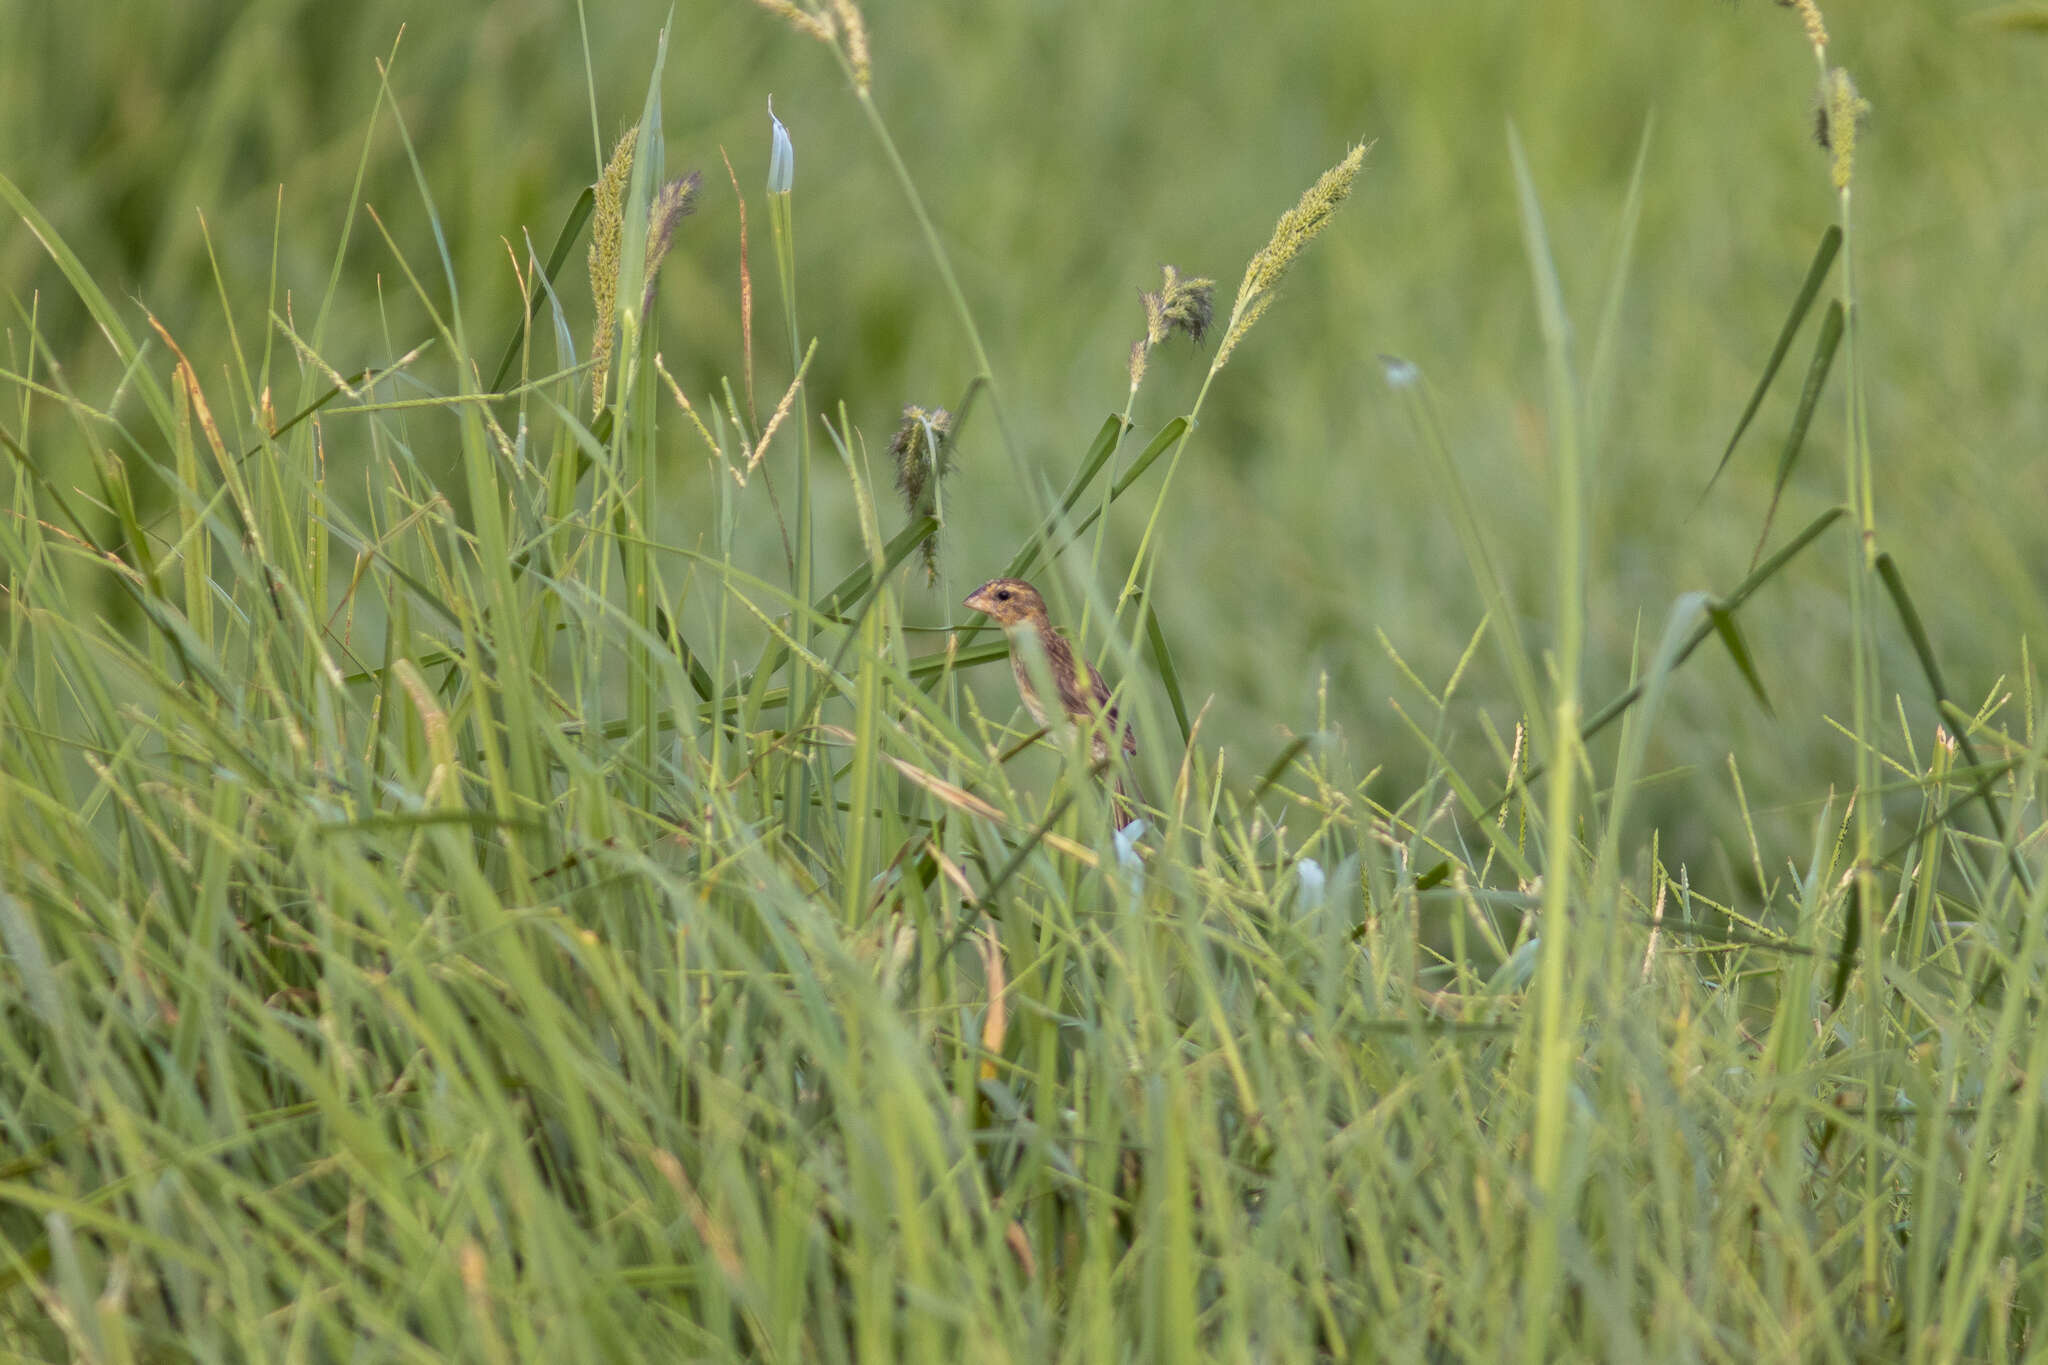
(1083, 696)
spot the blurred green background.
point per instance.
(1069, 149)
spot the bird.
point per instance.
(1084, 697)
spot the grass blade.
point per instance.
(1816, 275)
(1730, 631)
(1168, 677)
(558, 256)
(1923, 650)
(1809, 399)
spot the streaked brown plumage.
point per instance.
(1084, 698)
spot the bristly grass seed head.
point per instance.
(923, 447)
(1180, 304)
(1841, 114)
(607, 229)
(1291, 235)
(828, 23)
(676, 201)
(856, 30)
(1816, 27)
(802, 20)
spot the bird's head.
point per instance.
(1011, 601)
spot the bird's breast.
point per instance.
(1032, 703)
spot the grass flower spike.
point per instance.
(923, 449)
(607, 229)
(1840, 116)
(1297, 227)
(831, 23)
(1180, 304)
(676, 201)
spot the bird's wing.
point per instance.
(1095, 701)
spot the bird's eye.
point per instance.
(1003, 595)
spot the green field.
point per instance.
(531, 860)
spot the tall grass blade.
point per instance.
(558, 256)
(1809, 289)
(1730, 630)
(1845, 954)
(1169, 677)
(1559, 983)
(1809, 399)
(1600, 372)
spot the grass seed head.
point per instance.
(1181, 304)
(1297, 227)
(676, 201)
(923, 448)
(856, 30)
(829, 22)
(1840, 116)
(1816, 27)
(607, 229)
(802, 20)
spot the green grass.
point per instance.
(484, 876)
